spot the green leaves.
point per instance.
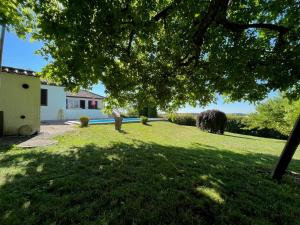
(279, 114)
(18, 15)
(173, 52)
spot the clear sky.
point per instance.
(21, 54)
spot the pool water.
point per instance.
(112, 120)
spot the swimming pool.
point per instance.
(112, 120)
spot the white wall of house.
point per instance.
(56, 108)
(56, 103)
(76, 112)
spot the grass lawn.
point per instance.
(157, 174)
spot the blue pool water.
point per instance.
(111, 120)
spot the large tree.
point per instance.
(174, 52)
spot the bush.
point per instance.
(213, 121)
(239, 124)
(84, 121)
(144, 119)
(182, 119)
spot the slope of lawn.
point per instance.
(157, 174)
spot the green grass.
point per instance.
(157, 174)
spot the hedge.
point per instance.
(235, 124)
(183, 119)
(238, 124)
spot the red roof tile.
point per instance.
(84, 94)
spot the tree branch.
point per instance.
(131, 36)
(163, 14)
(215, 9)
(237, 27)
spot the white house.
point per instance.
(57, 104)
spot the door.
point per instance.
(1, 123)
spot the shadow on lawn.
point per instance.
(8, 142)
(145, 183)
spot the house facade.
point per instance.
(58, 104)
(25, 102)
(19, 102)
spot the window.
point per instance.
(82, 104)
(44, 97)
(72, 104)
(93, 104)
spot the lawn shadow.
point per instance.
(251, 138)
(122, 132)
(8, 142)
(144, 183)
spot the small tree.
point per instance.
(278, 113)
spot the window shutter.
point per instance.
(44, 97)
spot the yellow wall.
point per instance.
(16, 101)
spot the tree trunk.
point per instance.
(288, 151)
(2, 35)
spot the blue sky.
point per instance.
(21, 54)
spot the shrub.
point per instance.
(213, 121)
(84, 121)
(239, 124)
(182, 119)
(144, 119)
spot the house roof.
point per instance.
(8, 69)
(84, 94)
(23, 72)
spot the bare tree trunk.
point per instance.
(2, 44)
(288, 151)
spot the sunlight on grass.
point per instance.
(40, 168)
(112, 157)
(26, 204)
(211, 193)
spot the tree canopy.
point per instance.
(173, 52)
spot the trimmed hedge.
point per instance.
(183, 119)
(213, 121)
(238, 124)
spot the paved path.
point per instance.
(44, 138)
